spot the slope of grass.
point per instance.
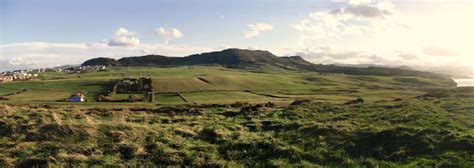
(223, 97)
(285, 83)
(168, 98)
(312, 120)
(40, 95)
(37, 88)
(433, 130)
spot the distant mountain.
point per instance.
(254, 59)
(230, 57)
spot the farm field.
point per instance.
(216, 117)
(427, 131)
(236, 84)
(208, 84)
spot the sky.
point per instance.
(423, 34)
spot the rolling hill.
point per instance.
(213, 116)
(254, 59)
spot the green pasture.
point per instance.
(207, 84)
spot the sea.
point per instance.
(465, 82)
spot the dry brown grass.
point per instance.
(57, 118)
(5, 109)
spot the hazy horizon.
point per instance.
(434, 34)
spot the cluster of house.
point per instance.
(18, 75)
(87, 68)
(77, 69)
(21, 75)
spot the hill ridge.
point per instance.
(253, 59)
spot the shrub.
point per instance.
(32, 162)
(209, 135)
(162, 155)
(356, 101)
(300, 102)
(127, 151)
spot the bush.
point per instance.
(162, 155)
(209, 135)
(127, 151)
(300, 102)
(256, 153)
(356, 101)
(32, 162)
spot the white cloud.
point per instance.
(19, 61)
(176, 33)
(160, 32)
(123, 37)
(255, 29)
(333, 55)
(350, 20)
(377, 31)
(328, 55)
(40, 54)
(168, 35)
(414, 58)
(438, 51)
(358, 2)
(362, 10)
(124, 32)
(408, 56)
(124, 41)
(43, 54)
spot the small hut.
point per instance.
(77, 97)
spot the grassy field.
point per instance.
(433, 130)
(237, 118)
(209, 84)
(225, 97)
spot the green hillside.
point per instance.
(52, 87)
(224, 117)
(254, 60)
(432, 130)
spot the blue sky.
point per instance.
(45, 33)
(211, 23)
